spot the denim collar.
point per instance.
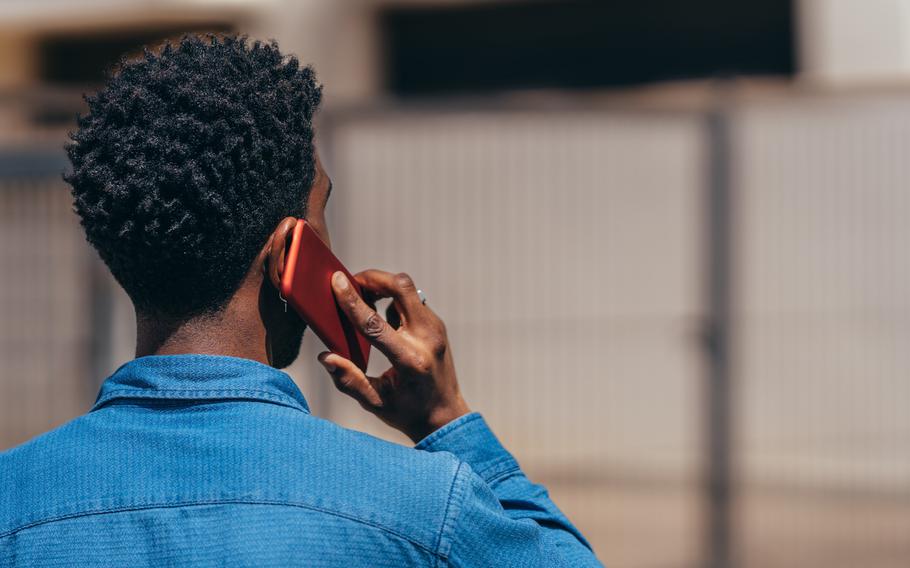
(200, 377)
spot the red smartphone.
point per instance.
(307, 286)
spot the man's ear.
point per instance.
(276, 250)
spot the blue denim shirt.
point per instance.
(195, 460)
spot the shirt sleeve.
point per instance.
(498, 517)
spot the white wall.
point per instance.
(854, 41)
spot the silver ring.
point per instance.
(422, 296)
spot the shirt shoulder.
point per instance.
(400, 487)
(114, 459)
(42, 471)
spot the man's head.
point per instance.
(187, 161)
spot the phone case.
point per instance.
(307, 286)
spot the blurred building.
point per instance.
(668, 240)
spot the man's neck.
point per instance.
(231, 332)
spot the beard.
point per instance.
(284, 329)
(285, 349)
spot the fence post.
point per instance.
(718, 388)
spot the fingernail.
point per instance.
(341, 281)
(328, 365)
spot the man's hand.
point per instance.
(419, 393)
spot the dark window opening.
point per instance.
(85, 59)
(583, 43)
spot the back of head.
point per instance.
(186, 161)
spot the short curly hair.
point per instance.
(187, 159)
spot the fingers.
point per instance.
(350, 380)
(421, 322)
(399, 287)
(368, 322)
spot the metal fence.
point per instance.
(689, 325)
(45, 299)
(822, 327)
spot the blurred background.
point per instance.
(669, 240)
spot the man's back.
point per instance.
(198, 460)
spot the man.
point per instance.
(189, 172)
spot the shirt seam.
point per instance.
(445, 516)
(203, 502)
(462, 481)
(190, 394)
